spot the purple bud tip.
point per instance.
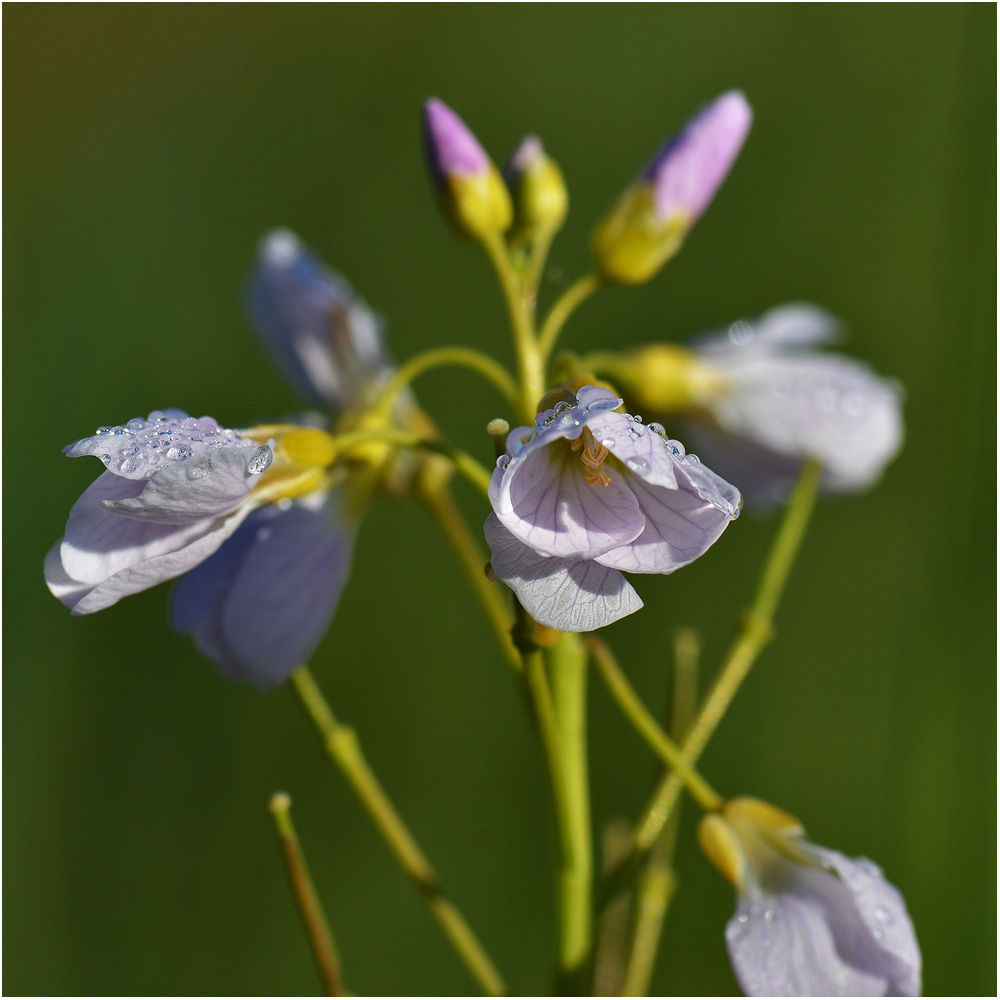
(450, 147)
(528, 152)
(688, 169)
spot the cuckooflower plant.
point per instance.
(259, 525)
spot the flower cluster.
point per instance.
(258, 524)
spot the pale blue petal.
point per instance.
(781, 945)
(795, 324)
(208, 485)
(141, 448)
(572, 596)
(323, 338)
(262, 604)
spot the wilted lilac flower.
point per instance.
(809, 921)
(648, 224)
(471, 191)
(176, 488)
(322, 336)
(261, 604)
(777, 400)
(588, 493)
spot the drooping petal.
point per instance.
(545, 501)
(882, 909)
(60, 583)
(141, 448)
(99, 543)
(565, 594)
(795, 324)
(208, 485)
(259, 607)
(782, 945)
(148, 573)
(325, 340)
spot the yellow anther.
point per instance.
(593, 458)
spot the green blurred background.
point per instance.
(147, 149)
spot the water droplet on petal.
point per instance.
(259, 460)
(179, 452)
(658, 429)
(769, 914)
(197, 472)
(136, 424)
(743, 917)
(129, 464)
(608, 442)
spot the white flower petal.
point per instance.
(569, 595)
(781, 945)
(99, 542)
(208, 485)
(545, 502)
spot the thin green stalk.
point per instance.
(611, 949)
(530, 368)
(657, 884)
(306, 898)
(341, 745)
(757, 630)
(464, 357)
(439, 501)
(473, 471)
(568, 670)
(579, 291)
(648, 728)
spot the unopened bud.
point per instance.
(472, 192)
(648, 224)
(538, 189)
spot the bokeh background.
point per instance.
(148, 147)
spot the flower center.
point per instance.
(593, 458)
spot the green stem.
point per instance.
(341, 745)
(658, 883)
(306, 898)
(519, 299)
(580, 290)
(439, 501)
(464, 357)
(758, 628)
(568, 668)
(647, 726)
(473, 471)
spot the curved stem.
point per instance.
(341, 745)
(755, 634)
(465, 357)
(464, 463)
(439, 501)
(306, 898)
(647, 726)
(530, 368)
(580, 290)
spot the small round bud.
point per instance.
(538, 189)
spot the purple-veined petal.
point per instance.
(325, 340)
(781, 945)
(99, 543)
(449, 145)
(259, 606)
(206, 486)
(148, 573)
(545, 501)
(882, 909)
(688, 169)
(565, 594)
(141, 448)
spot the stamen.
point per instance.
(593, 458)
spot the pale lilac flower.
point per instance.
(778, 400)
(261, 604)
(588, 493)
(688, 168)
(324, 338)
(809, 921)
(176, 488)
